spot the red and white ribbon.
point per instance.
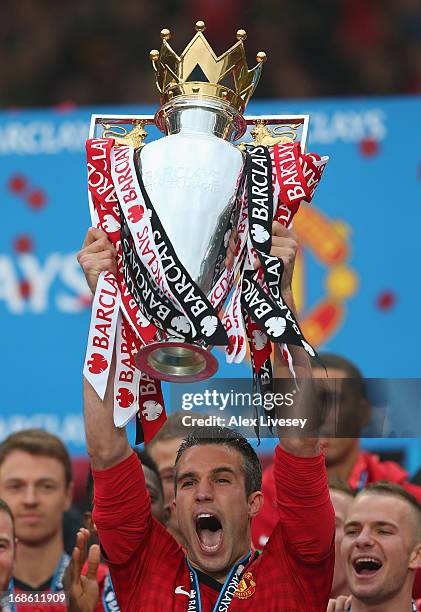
(99, 352)
(136, 214)
(127, 375)
(151, 415)
(105, 201)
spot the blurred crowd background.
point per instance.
(97, 51)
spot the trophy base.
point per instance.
(176, 362)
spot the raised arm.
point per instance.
(122, 512)
(306, 523)
(284, 246)
(107, 445)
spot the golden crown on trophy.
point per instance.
(200, 73)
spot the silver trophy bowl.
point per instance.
(191, 177)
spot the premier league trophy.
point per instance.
(170, 205)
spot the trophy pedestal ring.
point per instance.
(176, 362)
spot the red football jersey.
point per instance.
(40, 604)
(149, 570)
(47, 597)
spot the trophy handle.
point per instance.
(130, 129)
(123, 136)
(268, 132)
(265, 130)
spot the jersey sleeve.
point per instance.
(306, 524)
(122, 515)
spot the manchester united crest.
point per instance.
(246, 587)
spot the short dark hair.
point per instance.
(386, 488)
(6, 508)
(38, 442)
(231, 439)
(338, 362)
(173, 428)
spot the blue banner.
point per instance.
(356, 281)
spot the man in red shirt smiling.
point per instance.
(381, 550)
(217, 494)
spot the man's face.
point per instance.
(342, 404)
(164, 454)
(379, 547)
(7, 550)
(341, 503)
(212, 508)
(35, 489)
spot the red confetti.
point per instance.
(17, 183)
(369, 147)
(85, 300)
(23, 244)
(66, 106)
(25, 289)
(36, 198)
(386, 300)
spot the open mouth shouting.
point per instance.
(209, 532)
(366, 567)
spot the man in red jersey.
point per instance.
(217, 494)
(381, 550)
(344, 457)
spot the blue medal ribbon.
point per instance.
(228, 589)
(8, 604)
(57, 580)
(109, 599)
